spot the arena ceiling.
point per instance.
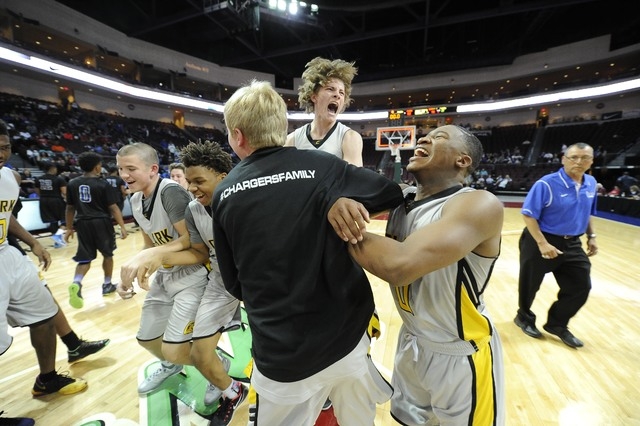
(386, 39)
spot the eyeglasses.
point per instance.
(577, 158)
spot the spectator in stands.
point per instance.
(505, 182)
(479, 183)
(490, 183)
(602, 191)
(625, 182)
(615, 192)
(634, 192)
(326, 91)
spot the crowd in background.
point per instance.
(45, 133)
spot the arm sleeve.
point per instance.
(194, 234)
(175, 200)
(534, 202)
(374, 191)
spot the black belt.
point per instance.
(566, 237)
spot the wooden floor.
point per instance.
(547, 383)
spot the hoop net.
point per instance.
(395, 150)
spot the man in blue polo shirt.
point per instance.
(556, 212)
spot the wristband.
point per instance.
(590, 236)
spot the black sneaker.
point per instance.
(86, 348)
(16, 421)
(62, 383)
(108, 289)
(224, 413)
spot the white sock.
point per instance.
(230, 392)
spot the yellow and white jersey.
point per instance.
(9, 193)
(444, 306)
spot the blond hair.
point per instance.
(259, 112)
(318, 72)
(144, 152)
(177, 166)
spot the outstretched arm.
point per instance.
(463, 227)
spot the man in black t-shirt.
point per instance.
(308, 303)
(91, 202)
(52, 191)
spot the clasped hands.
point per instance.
(140, 268)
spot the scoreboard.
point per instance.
(398, 116)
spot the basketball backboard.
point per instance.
(402, 137)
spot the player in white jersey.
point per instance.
(24, 301)
(170, 306)
(326, 91)
(206, 165)
(438, 260)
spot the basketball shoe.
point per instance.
(61, 383)
(227, 408)
(58, 241)
(75, 295)
(86, 348)
(108, 289)
(156, 378)
(16, 421)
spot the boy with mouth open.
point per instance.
(206, 164)
(326, 91)
(170, 306)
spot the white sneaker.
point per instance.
(156, 378)
(212, 394)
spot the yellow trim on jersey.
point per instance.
(474, 325)
(484, 393)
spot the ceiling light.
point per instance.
(293, 7)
